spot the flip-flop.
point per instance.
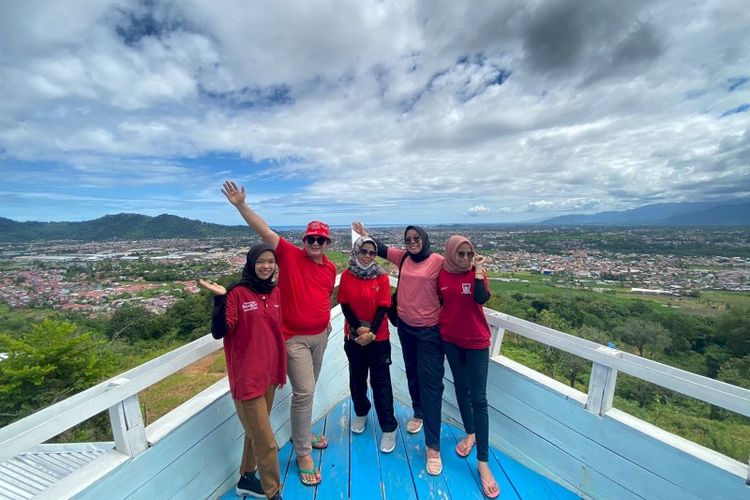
(486, 485)
(462, 450)
(312, 472)
(319, 442)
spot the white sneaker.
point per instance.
(388, 442)
(358, 424)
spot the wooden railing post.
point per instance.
(127, 424)
(496, 339)
(602, 385)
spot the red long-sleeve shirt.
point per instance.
(254, 346)
(462, 320)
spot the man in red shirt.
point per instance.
(306, 281)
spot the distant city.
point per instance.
(97, 277)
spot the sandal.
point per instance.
(319, 442)
(434, 464)
(490, 488)
(313, 471)
(462, 449)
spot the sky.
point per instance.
(389, 112)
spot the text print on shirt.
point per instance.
(250, 306)
(466, 288)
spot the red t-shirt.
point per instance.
(364, 297)
(306, 288)
(462, 320)
(254, 347)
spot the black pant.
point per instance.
(375, 357)
(469, 367)
(423, 360)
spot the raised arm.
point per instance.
(236, 197)
(361, 230)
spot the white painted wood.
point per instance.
(711, 391)
(82, 479)
(601, 389)
(127, 424)
(55, 419)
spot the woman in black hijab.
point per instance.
(419, 332)
(248, 317)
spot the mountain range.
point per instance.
(666, 214)
(139, 227)
(119, 226)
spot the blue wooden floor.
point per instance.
(353, 467)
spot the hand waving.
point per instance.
(235, 195)
(212, 287)
(359, 228)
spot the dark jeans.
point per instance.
(423, 360)
(469, 367)
(375, 357)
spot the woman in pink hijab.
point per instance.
(463, 288)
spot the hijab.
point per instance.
(356, 268)
(451, 263)
(425, 252)
(249, 278)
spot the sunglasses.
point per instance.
(364, 251)
(320, 240)
(416, 239)
(461, 254)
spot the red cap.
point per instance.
(317, 228)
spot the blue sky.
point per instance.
(383, 111)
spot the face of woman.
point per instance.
(465, 256)
(265, 265)
(366, 254)
(413, 241)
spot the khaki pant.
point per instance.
(260, 449)
(304, 354)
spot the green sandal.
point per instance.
(319, 442)
(312, 472)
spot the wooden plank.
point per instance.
(458, 479)
(286, 453)
(507, 491)
(395, 475)
(51, 421)
(134, 473)
(527, 483)
(564, 434)
(364, 466)
(426, 486)
(335, 461)
(293, 487)
(652, 453)
(601, 389)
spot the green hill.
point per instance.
(113, 227)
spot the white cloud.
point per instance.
(388, 108)
(479, 210)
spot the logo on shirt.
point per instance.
(466, 288)
(250, 306)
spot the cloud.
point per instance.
(479, 210)
(376, 109)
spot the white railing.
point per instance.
(608, 361)
(119, 395)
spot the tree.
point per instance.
(552, 357)
(736, 371)
(51, 362)
(733, 331)
(641, 333)
(133, 322)
(190, 317)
